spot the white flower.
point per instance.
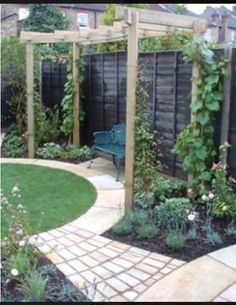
(19, 232)
(21, 243)
(224, 208)
(14, 272)
(211, 195)
(15, 189)
(191, 217)
(204, 197)
(20, 206)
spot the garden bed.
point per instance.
(192, 249)
(58, 287)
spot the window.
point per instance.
(82, 20)
(233, 35)
(208, 35)
(23, 13)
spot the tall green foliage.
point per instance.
(45, 18)
(146, 149)
(195, 143)
(67, 102)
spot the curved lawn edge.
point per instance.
(68, 213)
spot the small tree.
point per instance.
(180, 9)
(45, 18)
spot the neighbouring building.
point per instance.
(81, 15)
(221, 24)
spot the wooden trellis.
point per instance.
(130, 24)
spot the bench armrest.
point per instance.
(101, 137)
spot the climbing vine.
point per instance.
(67, 102)
(195, 143)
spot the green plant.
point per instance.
(50, 150)
(71, 152)
(192, 234)
(138, 217)
(67, 102)
(162, 187)
(175, 240)
(224, 201)
(34, 287)
(213, 237)
(122, 227)
(231, 228)
(69, 293)
(47, 124)
(146, 162)
(14, 146)
(21, 262)
(147, 230)
(45, 18)
(173, 213)
(195, 143)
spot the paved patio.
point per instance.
(121, 272)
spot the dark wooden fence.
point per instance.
(168, 82)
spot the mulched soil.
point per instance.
(193, 248)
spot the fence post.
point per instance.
(76, 131)
(30, 92)
(132, 61)
(227, 96)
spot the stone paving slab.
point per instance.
(198, 281)
(226, 256)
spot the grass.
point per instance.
(61, 195)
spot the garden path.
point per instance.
(108, 270)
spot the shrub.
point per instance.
(147, 230)
(224, 201)
(21, 262)
(122, 227)
(175, 240)
(14, 146)
(34, 287)
(173, 213)
(50, 150)
(138, 217)
(69, 293)
(72, 152)
(162, 187)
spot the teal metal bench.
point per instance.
(111, 142)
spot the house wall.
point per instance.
(9, 16)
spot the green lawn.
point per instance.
(61, 195)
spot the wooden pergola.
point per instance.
(130, 24)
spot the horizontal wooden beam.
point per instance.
(121, 25)
(159, 18)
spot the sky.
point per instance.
(199, 8)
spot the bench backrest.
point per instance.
(117, 134)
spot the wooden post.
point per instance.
(75, 71)
(30, 104)
(227, 96)
(132, 61)
(199, 30)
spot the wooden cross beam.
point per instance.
(159, 18)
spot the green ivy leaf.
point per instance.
(213, 79)
(202, 117)
(196, 106)
(213, 106)
(201, 154)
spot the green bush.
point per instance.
(122, 227)
(173, 213)
(162, 187)
(138, 217)
(72, 152)
(175, 240)
(147, 230)
(14, 146)
(50, 150)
